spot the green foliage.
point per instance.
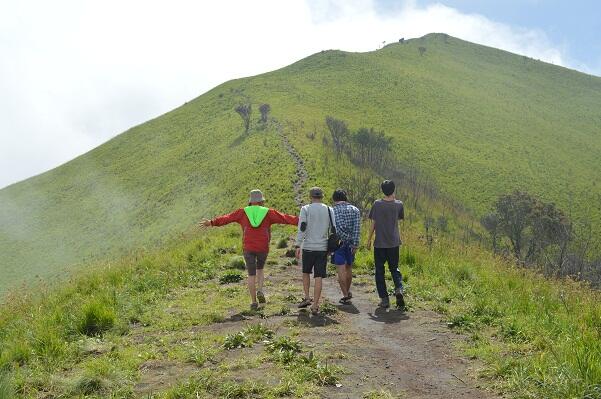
(97, 317)
(282, 243)
(236, 262)
(328, 308)
(258, 332)
(88, 385)
(6, 389)
(237, 340)
(230, 277)
(465, 115)
(282, 344)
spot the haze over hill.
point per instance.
(477, 120)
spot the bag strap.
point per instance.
(330, 216)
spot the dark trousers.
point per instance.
(390, 256)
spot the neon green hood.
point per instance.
(256, 214)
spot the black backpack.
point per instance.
(334, 241)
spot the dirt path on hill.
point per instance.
(410, 354)
(301, 172)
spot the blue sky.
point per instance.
(574, 26)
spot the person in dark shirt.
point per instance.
(385, 215)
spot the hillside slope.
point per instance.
(479, 121)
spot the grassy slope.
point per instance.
(537, 338)
(478, 120)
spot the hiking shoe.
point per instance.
(345, 300)
(254, 306)
(400, 300)
(384, 303)
(261, 297)
(306, 302)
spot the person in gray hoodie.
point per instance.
(312, 245)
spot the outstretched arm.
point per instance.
(222, 220)
(276, 217)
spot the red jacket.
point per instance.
(255, 239)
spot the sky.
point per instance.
(74, 73)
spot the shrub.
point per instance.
(282, 243)
(236, 341)
(282, 344)
(328, 309)
(88, 385)
(97, 318)
(236, 262)
(230, 277)
(258, 332)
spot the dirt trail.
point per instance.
(301, 172)
(409, 352)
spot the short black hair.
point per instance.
(387, 187)
(339, 195)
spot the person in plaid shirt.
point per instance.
(348, 226)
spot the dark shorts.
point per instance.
(317, 260)
(343, 255)
(254, 261)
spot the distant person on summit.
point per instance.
(256, 221)
(385, 215)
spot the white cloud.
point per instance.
(75, 73)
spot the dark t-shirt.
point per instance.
(386, 215)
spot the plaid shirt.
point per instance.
(348, 223)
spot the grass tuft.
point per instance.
(96, 319)
(230, 277)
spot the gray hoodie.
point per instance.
(314, 227)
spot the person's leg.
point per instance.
(338, 259)
(251, 266)
(342, 280)
(349, 278)
(261, 259)
(379, 259)
(306, 284)
(392, 255)
(307, 261)
(317, 292)
(320, 272)
(350, 259)
(251, 288)
(393, 265)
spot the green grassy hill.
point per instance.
(477, 120)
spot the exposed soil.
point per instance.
(301, 172)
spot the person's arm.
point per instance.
(356, 230)
(302, 227)
(372, 228)
(401, 217)
(276, 217)
(222, 220)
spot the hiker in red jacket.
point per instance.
(256, 221)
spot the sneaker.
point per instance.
(345, 300)
(261, 296)
(384, 303)
(254, 306)
(306, 302)
(400, 300)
